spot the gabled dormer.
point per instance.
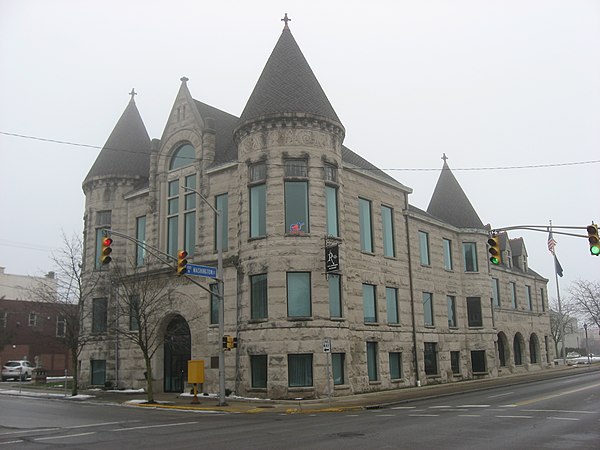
(519, 254)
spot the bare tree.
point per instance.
(586, 297)
(559, 321)
(144, 297)
(67, 296)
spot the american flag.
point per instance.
(551, 242)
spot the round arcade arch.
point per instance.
(177, 352)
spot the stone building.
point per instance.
(413, 301)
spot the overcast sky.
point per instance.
(492, 84)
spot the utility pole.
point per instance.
(220, 294)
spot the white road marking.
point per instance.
(563, 418)
(469, 415)
(155, 426)
(404, 407)
(500, 395)
(515, 417)
(424, 415)
(386, 415)
(10, 442)
(473, 406)
(560, 411)
(29, 431)
(438, 407)
(100, 424)
(63, 436)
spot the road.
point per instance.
(563, 413)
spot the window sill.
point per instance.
(299, 319)
(257, 238)
(337, 319)
(341, 387)
(297, 235)
(257, 390)
(372, 323)
(431, 327)
(263, 320)
(374, 383)
(364, 252)
(436, 376)
(476, 327)
(394, 324)
(301, 389)
(397, 380)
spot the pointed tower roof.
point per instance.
(287, 85)
(127, 150)
(449, 202)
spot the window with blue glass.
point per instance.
(366, 225)
(387, 220)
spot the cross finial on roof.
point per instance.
(184, 79)
(286, 19)
(132, 93)
(444, 157)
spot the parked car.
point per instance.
(21, 369)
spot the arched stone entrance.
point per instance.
(177, 352)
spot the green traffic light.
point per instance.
(595, 250)
(495, 260)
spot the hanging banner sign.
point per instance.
(332, 259)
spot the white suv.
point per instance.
(21, 369)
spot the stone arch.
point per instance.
(177, 352)
(518, 347)
(534, 349)
(503, 349)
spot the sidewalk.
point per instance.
(356, 402)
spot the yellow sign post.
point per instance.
(195, 376)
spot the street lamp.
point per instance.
(219, 294)
(587, 351)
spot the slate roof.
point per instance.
(348, 156)
(287, 85)
(127, 150)
(450, 204)
(224, 123)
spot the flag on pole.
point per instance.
(551, 246)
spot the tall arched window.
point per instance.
(533, 349)
(518, 350)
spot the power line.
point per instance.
(402, 169)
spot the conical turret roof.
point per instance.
(450, 204)
(287, 85)
(127, 150)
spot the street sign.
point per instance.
(327, 345)
(201, 271)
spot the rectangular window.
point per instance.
(474, 315)
(99, 315)
(478, 361)
(369, 303)
(298, 294)
(365, 223)
(140, 235)
(470, 256)
(391, 295)
(189, 232)
(496, 291)
(296, 207)
(428, 309)
(424, 248)
(173, 218)
(257, 172)
(387, 220)
(493, 312)
(331, 206)
(430, 358)
(528, 298)
(103, 218)
(258, 297)
(296, 168)
(222, 204)
(61, 326)
(330, 173)
(98, 372)
(258, 210)
(513, 295)
(372, 368)
(447, 246)
(395, 365)
(214, 303)
(337, 363)
(134, 313)
(258, 367)
(451, 303)
(335, 296)
(300, 370)
(542, 301)
(455, 362)
(32, 319)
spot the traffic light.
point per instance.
(106, 250)
(181, 262)
(593, 238)
(229, 342)
(496, 254)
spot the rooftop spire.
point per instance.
(286, 19)
(133, 94)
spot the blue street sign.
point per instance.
(201, 271)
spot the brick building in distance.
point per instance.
(414, 300)
(31, 329)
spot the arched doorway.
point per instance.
(518, 349)
(177, 352)
(534, 347)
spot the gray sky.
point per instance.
(491, 84)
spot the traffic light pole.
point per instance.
(220, 294)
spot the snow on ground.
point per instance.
(44, 394)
